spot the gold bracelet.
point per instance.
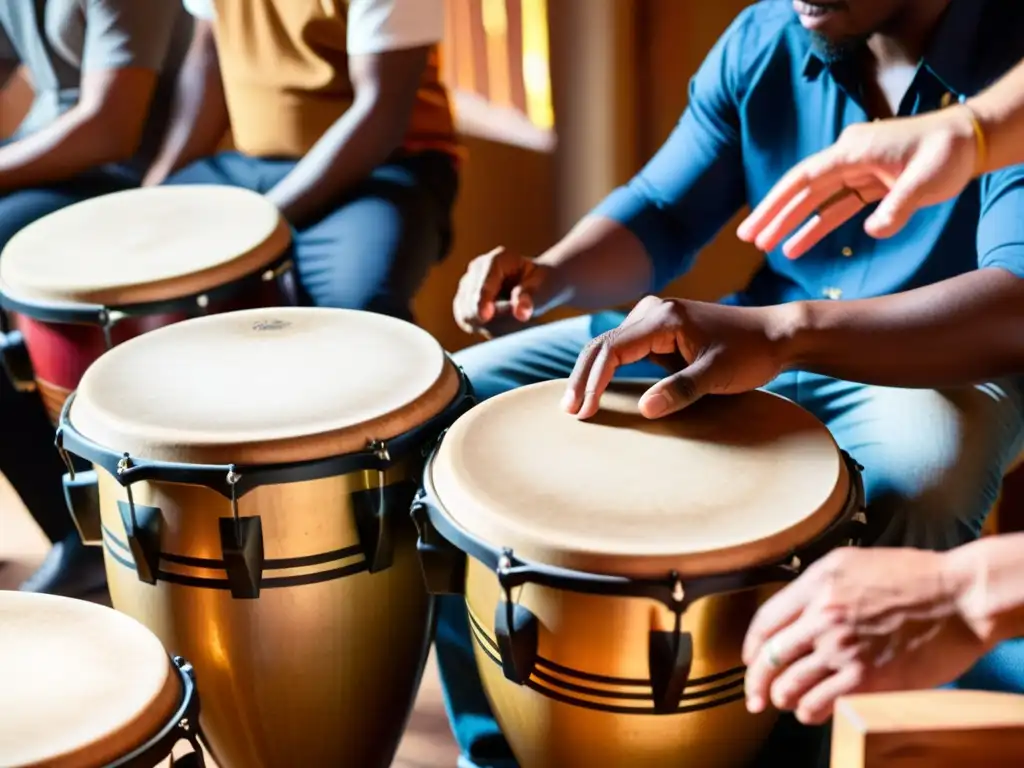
(981, 142)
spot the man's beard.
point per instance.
(833, 51)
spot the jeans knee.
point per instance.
(946, 513)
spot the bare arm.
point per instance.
(993, 602)
(104, 127)
(1001, 111)
(199, 117)
(365, 136)
(965, 329)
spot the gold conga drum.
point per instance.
(90, 276)
(615, 564)
(256, 471)
(84, 686)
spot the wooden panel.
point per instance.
(928, 729)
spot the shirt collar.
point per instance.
(950, 53)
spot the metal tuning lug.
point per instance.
(16, 362)
(82, 495)
(443, 564)
(142, 526)
(241, 544)
(517, 631)
(670, 657)
(377, 511)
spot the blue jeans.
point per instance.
(374, 247)
(27, 455)
(933, 465)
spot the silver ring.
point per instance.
(773, 658)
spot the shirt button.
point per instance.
(847, 251)
(946, 100)
(832, 293)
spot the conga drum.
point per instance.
(87, 687)
(99, 272)
(611, 567)
(255, 474)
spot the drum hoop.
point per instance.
(183, 724)
(106, 317)
(675, 593)
(234, 481)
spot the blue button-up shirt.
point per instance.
(763, 100)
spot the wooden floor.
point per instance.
(427, 743)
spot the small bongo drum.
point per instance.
(255, 473)
(614, 564)
(104, 270)
(87, 687)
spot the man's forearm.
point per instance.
(199, 116)
(599, 264)
(992, 596)
(963, 330)
(347, 153)
(1001, 111)
(76, 142)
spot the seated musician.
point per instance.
(102, 72)
(339, 118)
(784, 81)
(897, 619)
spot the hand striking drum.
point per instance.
(255, 472)
(614, 564)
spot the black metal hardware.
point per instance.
(82, 495)
(143, 526)
(183, 724)
(241, 542)
(443, 564)
(516, 630)
(15, 361)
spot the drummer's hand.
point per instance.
(907, 163)
(858, 620)
(497, 294)
(713, 349)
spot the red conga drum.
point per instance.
(92, 275)
(611, 567)
(84, 686)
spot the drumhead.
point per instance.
(82, 684)
(728, 483)
(143, 245)
(264, 386)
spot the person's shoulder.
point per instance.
(765, 33)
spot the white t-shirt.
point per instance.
(374, 26)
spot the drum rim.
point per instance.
(183, 724)
(106, 316)
(234, 481)
(675, 592)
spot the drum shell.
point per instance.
(596, 635)
(320, 673)
(61, 352)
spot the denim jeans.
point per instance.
(376, 244)
(933, 465)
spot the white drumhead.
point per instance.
(727, 483)
(143, 245)
(81, 683)
(264, 386)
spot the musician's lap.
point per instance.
(374, 247)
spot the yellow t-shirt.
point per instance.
(284, 65)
